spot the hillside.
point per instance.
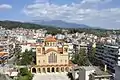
(56, 30)
(60, 23)
(15, 24)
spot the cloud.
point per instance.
(118, 20)
(90, 1)
(53, 11)
(73, 13)
(5, 6)
(95, 1)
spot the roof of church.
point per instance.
(50, 39)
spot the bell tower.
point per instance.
(65, 49)
(38, 53)
(38, 50)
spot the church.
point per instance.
(52, 56)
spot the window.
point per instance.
(47, 44)
(65, 49)
(50, 43)
(43, 60)
(65, 61)
(39, 50)
(61, 52)
(39, 61)
(52, 58)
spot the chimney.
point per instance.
(105, 69)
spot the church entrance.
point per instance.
(53, 69)
(33, 70)
(57, 69)
(48, 70)
(44, 70)
(39, 70)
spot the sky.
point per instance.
(95, 13)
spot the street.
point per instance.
(12, 60)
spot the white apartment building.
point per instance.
(82, 73)
(70, 50)
(89, 73)
(109, 55)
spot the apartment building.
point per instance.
(109, 55)
(89, 73)
(4, 45)
(100, 75)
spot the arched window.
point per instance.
(50, 43)
(52, 58)
(48, 69)
(39, 50)
(44, 70)
(57, 69)
(39, 70)
(33, 70)
(66, 49)
(39, 61)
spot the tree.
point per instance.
(26, 57)
(25, 74)
(93, 59)
(23, 71)
(92, 55)
(80, 59)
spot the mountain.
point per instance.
(60, 23)
(15, 24)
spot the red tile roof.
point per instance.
(50, 39)
(3, 53)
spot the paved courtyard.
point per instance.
(51, 76)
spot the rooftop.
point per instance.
(50, 39)
(97, 71)
(100, 73)
(112, 46)
(3, 53)
(87, 68)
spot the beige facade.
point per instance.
(51, 56)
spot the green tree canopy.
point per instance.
(80, 59)
(25, 74)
